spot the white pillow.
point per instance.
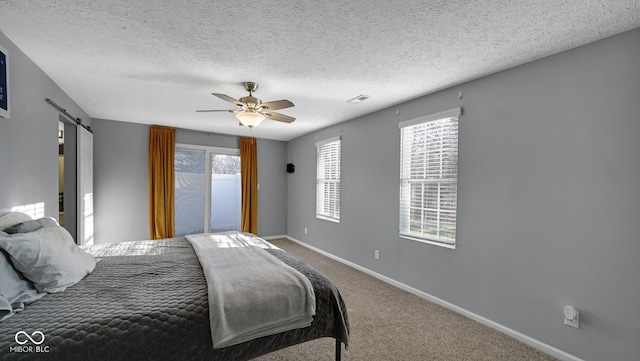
(15, 290)
(9, 219)
(6, 310)
(30, 226)
(48, 257)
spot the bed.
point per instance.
(148, 300)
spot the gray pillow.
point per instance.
(15, 290)
(48, 257)
(30, 226)
(11, 218)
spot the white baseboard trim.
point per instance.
(268, 238)
(549, 350)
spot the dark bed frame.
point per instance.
(96, 320)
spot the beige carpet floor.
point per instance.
(388, 323)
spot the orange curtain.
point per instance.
(162, 145)
(249, 180)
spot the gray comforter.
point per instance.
(151, 305)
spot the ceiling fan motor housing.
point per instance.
(251, 101)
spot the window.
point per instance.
(428, 178)
(328, 180)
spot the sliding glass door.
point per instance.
(190, 166)
(208, 195)
(226, 193)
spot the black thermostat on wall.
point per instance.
(291, 168)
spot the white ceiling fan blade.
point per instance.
(228, 99)
(279, 117)
(277, 104)
(216, 110)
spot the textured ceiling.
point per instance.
(157, 61)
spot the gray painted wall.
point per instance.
(121, 179)
(29, 139)
(272, 195)
(548, 199)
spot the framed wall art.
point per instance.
(4, 83)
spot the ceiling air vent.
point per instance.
(358, 99)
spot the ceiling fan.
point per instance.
(251, 110)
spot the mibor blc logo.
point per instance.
(29, 342)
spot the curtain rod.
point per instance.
(78, 121)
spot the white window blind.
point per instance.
(428, 177)
(328, 180)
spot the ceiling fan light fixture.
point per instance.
(250, 118)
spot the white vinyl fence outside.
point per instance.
(226, 203)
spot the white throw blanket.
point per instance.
(251, 292)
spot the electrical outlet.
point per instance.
(305, 230)
(571, 317)
(376, 254)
